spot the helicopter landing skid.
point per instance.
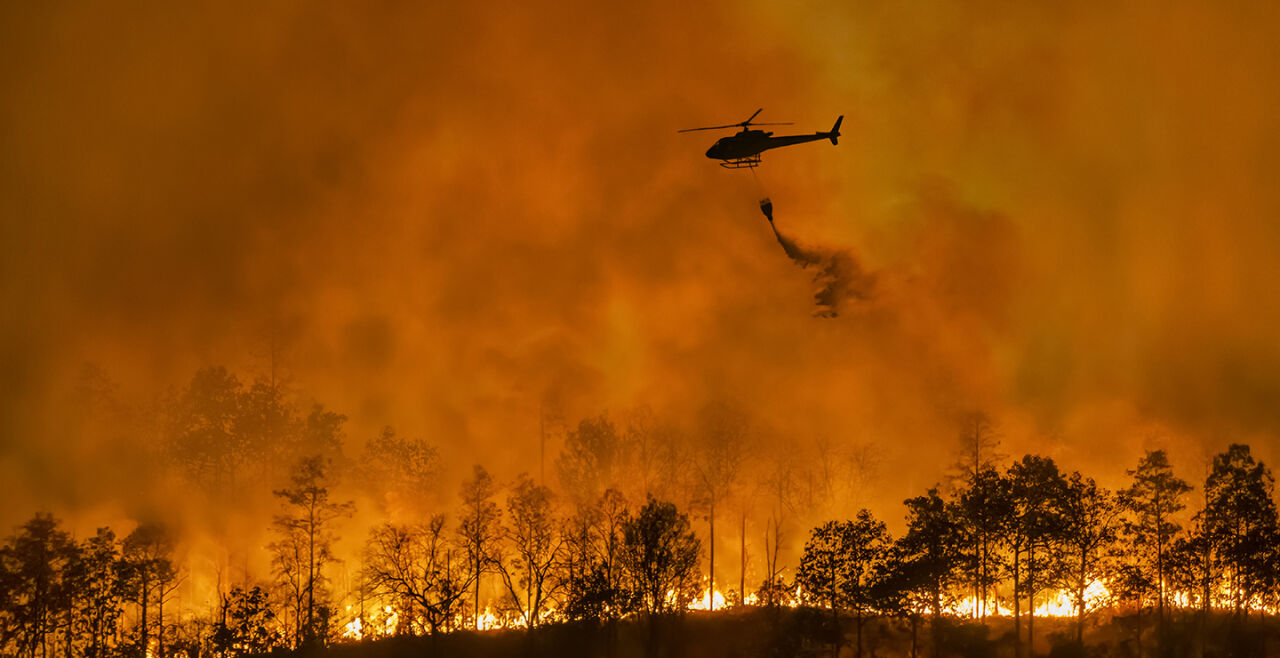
(742, 163)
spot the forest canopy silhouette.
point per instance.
(621, 538)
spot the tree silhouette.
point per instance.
(265, 426)
(1241, 526)
(779, 484)
(903, 588)
(583, 591)
(401, 471)
(722, 434)
(99, 593)
(216, 428)
(147, 554)
(590, 468)
(979, 448)
(478, 528)
(416, 565)
(305, 546)
(984, 501)
(203, 436)
(931, 553)
(581, 551)
(661, 457)
(596, 588)
(986, 507)
(1151, 502)
(320, 434)
(839, 567)
(823, 571)
(536, 547)
(1194, 570)
(660, 555)
(1038, 494)
(36, 590)
(592, 459)
(1089, 529)
(244, 628)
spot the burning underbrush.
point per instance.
(745, 631)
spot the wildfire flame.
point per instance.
(353, 630)
(708, 597)
(385, 621)
(384, 625)
(1059, 603)
(489, 621)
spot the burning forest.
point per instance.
(369, 330)
(618, 529)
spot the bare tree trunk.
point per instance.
(835, 625)
(1031, 621)
(1017, 605)
(1206, 604)
(476, 622)
(711, 588)
(983, 575)
(835, 618)
(478, 556)
(742, 570)
(937, 616)
(1031, 599)
(1080, 598)
(1139, 627)
(915, 626)
(858, 620)
(146, 629)
(160, 620)
(308, 634)
(1160, 643)
(977, 549)
(652, 648)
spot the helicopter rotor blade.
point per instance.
(689, 130)
(743, 124)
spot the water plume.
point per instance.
(839, 277)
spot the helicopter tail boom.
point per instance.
(835, 130)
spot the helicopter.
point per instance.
(744, 148)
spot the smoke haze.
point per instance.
(456, 219)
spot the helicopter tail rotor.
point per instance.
(835, 130)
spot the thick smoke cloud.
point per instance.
(450, 218)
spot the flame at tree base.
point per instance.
(384, 621)
(375, 626)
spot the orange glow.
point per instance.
(478, 237)
(1060, 603)
(705, 601)
(379, 623)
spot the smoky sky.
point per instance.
(448, 217)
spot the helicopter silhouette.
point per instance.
(744, 148)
